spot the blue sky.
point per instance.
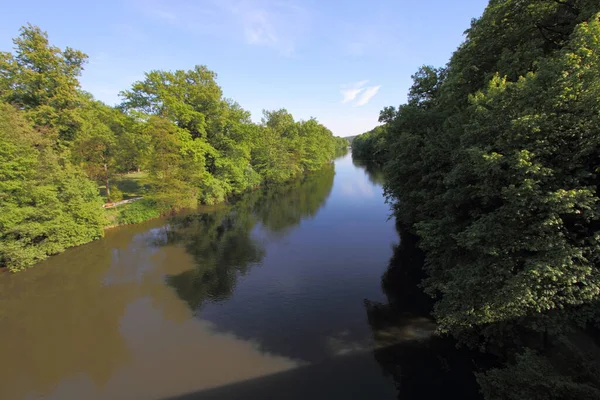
(338, 61)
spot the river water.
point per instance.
(278, 295)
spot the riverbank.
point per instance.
(148, 208)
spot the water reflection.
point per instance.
(311, 265)
(374, 171)
(98, 322)
(221, 243)
(221, 247)
(263, 297)
(283, 207)
(422, 364)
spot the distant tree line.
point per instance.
(58, 144)
(494, 163)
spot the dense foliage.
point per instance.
(62, 151)
(371, 146)
(493, 162)
(46, 205)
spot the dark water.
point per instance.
(297, 292)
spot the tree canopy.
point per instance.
(493, 162)
(62, 151)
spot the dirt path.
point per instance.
(120, 203)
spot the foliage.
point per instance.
(341, 146)
(227, 152)
(493, 162)
(46, 204)
(115, 195)
(371, 146)
(533, 376)
(195, 146)
(95, 146)
(42, 80)
(139, 211)
(350, 139)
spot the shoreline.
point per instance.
(116, 210)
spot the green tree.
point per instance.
(285, 148)
(271, 156)
(176, 166)
(192, 99)
(43, 80)
(46, 205)
(96, 147)
(494, 166)
(194, 102)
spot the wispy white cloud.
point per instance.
(349, 91)
(350, 94)
(359, 188)
(259, 30)
(278, 24)
(358, 91)
(367, 95)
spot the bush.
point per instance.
(140, 211)
(115, 195)
(534, 377)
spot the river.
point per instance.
(283, 294)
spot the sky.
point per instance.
(338, 61)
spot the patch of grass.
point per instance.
(131, 184)
(112, 217)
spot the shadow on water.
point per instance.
(430, 366)
(338, 378)
(420, 364)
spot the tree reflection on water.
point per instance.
(422, 364)
(221, 242)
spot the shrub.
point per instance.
(115, 195)
(140, 211)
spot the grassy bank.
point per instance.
(133, 213)
(131, 185)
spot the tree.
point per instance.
(533, 376)
(191, 99)
(194, 102)
(43, 80)
(373, 145)
(286, 148)
(96, 147)
(46, 205)
(176, 166)
(197, 146)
